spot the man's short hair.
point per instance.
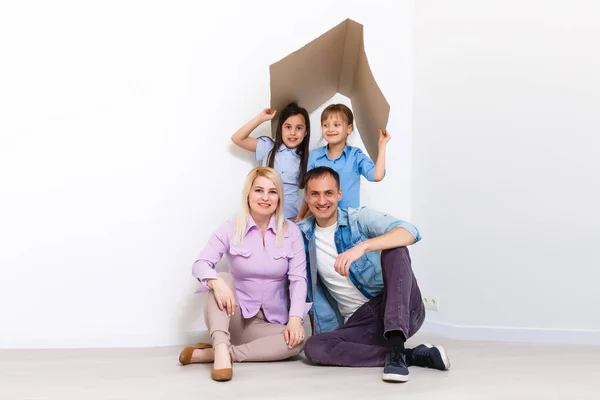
(320, 172)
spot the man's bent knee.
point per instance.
(311, 348)
(395, 252)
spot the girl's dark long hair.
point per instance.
(302, 150)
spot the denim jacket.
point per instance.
(355, 225)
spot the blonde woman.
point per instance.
(255, 312)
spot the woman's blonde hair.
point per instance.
(241, 220)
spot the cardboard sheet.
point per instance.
(334, 62)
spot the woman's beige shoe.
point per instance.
(185, 357)
(223, 374)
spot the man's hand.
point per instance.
(344, 260)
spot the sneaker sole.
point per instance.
(395, 378)
(445, 358)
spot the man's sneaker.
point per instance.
(430, 356)
(395, 369)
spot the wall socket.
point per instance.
(431, 303)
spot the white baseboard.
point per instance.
(100, 340)
(460, 332)
(511, 334)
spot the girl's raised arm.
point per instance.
(241, 137)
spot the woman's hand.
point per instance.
(294, 332)
(223, 295)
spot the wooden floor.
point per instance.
(480, 370)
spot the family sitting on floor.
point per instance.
(345, 266)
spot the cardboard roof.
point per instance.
(334, 62)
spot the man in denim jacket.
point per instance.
(366, 301)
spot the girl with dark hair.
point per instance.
(287, 154)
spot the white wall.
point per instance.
(115, 158)
(506, 167)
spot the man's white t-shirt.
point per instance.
(348, 297)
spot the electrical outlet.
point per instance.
(431, 303)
